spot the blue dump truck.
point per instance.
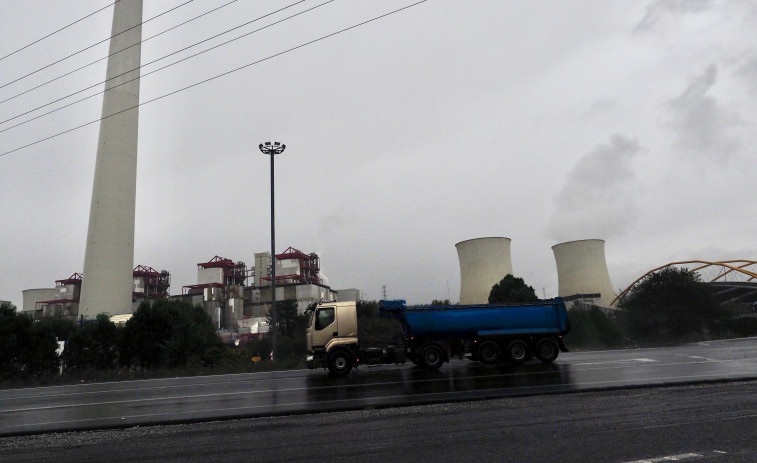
(432, 334)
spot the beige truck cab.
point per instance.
(332, 337)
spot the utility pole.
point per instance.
(272, 150)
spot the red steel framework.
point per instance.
(74, 279)
(309, 267)
(234, 273)
(157, 283)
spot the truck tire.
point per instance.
(517, 351)
(488, 352)
(547, 350)
(340, 363)
(432, 357)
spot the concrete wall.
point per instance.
(351, 294)
(32, 296)
(262, 262)
(582, 269)
(483, 263)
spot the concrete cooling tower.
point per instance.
(483, 263)
(582, 269)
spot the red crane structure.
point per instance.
(309, 267)
(156, 284)
(233, 273)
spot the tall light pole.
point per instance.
(272, 149)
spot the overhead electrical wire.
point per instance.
(114, 53)
(146, 64)
(111, 54)
(161, 68)
(94, 45)
(59, 30)
(302, 45)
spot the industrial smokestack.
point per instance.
(483, 263)
(109, 256)
(582, 269)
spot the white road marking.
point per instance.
(636, 360)
(683, 456)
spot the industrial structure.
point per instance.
(109, 254)
(238, 298)
(64, 300)
(483, 263)
(582, 272)
(150, 283)
(297, 279)
(219, 290)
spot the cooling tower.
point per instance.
(582, 269)
(483, 263)
(109, 255)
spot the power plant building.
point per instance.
(64, 299)
(297, 278)
(483, 263)
(582, 271)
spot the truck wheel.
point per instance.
(488, 352)
(517, 351)
(340, 363)
(547, 350)
(432, 357)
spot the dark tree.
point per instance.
(94, 345)
(61, 327)
(670, 304)
(26, 349)
(169, 333)
(290, 322)
(512, 289)
(444, 302)
(374, 329)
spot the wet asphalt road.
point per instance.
(132, 403)
(704, 423)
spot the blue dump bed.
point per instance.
(546, 316)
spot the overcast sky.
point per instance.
(550, 121)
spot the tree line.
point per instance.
(171, 336)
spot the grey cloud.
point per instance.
(748, 71)
(595, 200)
(660, 9)
(703, 124)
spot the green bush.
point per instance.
(592, 329)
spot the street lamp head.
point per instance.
(272, 148)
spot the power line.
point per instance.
(159, 69)
(216, 76)
(94, 44)
(106, 57)
(59, 30)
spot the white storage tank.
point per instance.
(582, 269)
(483, 263)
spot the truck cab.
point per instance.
(332, 337)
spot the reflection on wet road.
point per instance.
(91, 406)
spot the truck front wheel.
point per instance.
(547, 350)
(432, 357)
(340, 363)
